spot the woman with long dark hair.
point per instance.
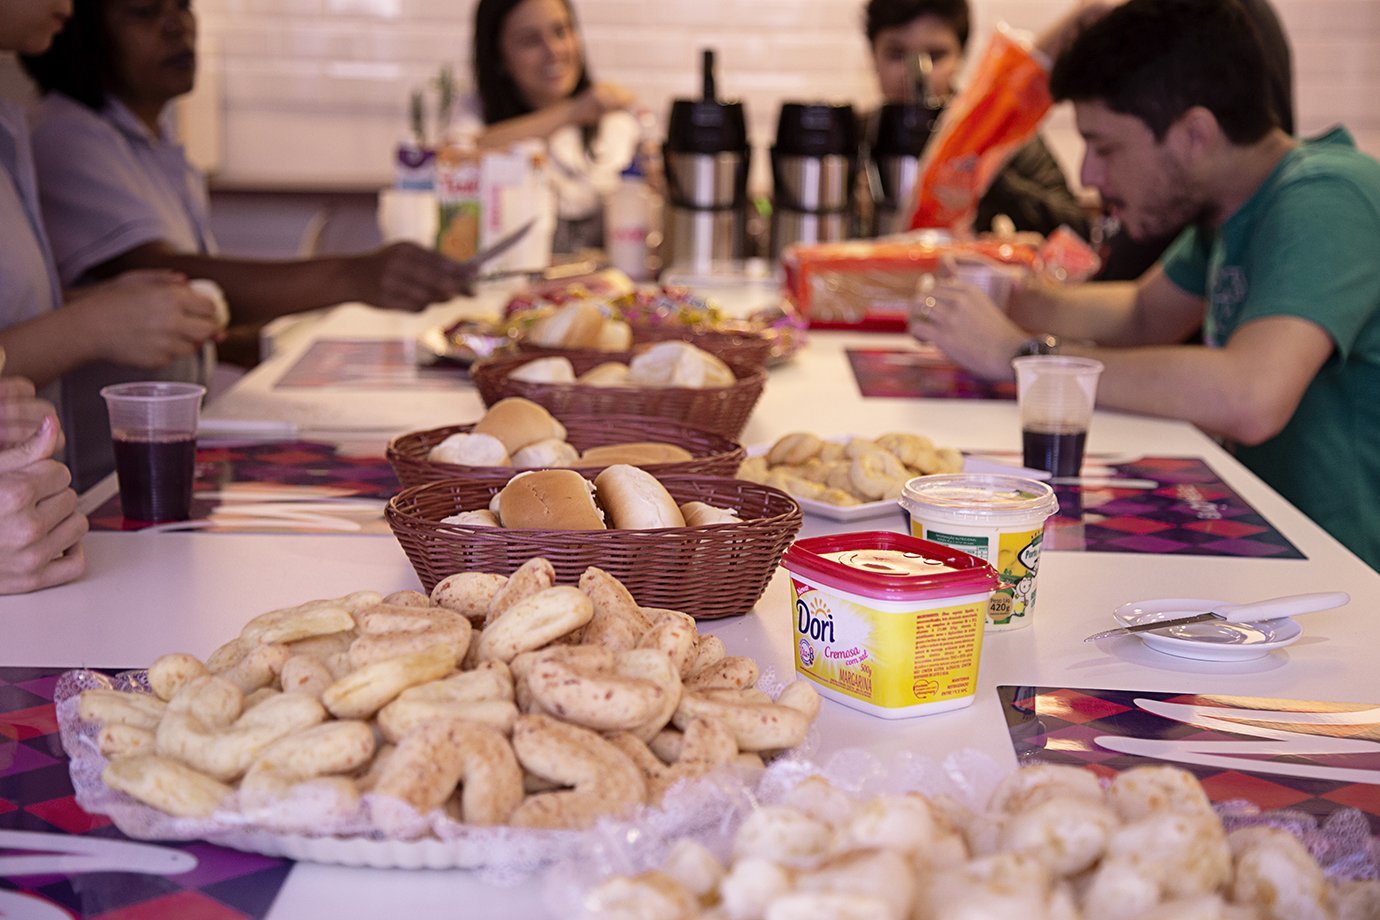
(532, 83)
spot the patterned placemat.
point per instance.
(1325, 756)
(281, 487)
(41, 825)
(893, 373)
(1167, 505)
(369, 364)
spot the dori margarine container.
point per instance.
(888, 624)
(999, 519)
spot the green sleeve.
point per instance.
(1185, 262)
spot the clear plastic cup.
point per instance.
(153, 426)
(999, 519)
(1056, 394)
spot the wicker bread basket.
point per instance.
(717, 570)
(724, 410)
(714, 454)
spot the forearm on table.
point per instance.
(1121, 314)
(537, 125)
(45, 348)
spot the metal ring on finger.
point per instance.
(927, 306)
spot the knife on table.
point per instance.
(1251, 612)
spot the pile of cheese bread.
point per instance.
(621, 497)
(520, 433)
(495, 700)
(850, 471)
(1052, 844)
(665, 364)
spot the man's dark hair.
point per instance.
(1156, 59)
(78, 63)
(499, 97)
(889, 14)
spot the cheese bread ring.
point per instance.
(365, 691)
(649, 896)
(876, 472)
(856, 886)
(675, 634)
(948, 460)
(655, 667)
(1144, 791)
(732, 673)
(113, 707)
(314, 618)
(167, 785)
(605, 781)
(428, 763)
(338, 746)
(593, 694)
(783, 834)
(323, 647)
(1190, 855)
(1276, 874)
(116, 740)
(407, 598)
(534, 621)
(491, 680)
(213, 700)
(389, 631)
(754, 469)
(910, 449)
(616, 622)
(468, 593)
(709, 649)
(794, 449)
(401, 717)
(171, 673)
(756, 726)
(1031, 785)
(258, 667)
(305, 674)
(587, 656)
(533, 576)
(225, 753)
(1068, 834)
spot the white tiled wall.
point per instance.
(313, 92)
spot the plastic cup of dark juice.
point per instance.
(153, 428)
(1056, 394)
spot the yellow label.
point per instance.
(893, 660)
(1015, 556)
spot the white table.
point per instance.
(147, 594)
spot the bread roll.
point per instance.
(635, 500)
(549, 500)
(575, 325)
(548, 454)
(471, 450)
(608, 374)
(614, 335)
(545, 370)
(518, 422)
(679, 364)
(481, 518)
(635, 453)
(698, 514)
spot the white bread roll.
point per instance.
(575, 325)
(679, 364)
(518, 422)
(635, 500)
(698, 514)
(549, 454)
(481, 518)
(545, 370)
(549, 500)
(471, 450)
(614, 335)
(608, 374)
(635, 453)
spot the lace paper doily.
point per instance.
(309, 830)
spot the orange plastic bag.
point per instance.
(981, 127)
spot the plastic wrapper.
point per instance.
(306, 829)
(996, 112)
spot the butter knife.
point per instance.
(1252, 612)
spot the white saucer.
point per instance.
(1210, 641)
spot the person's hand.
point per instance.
(21, 412)
(145, 318)
(967, 326)
(600, 99)
(40, 528)
(404, 276)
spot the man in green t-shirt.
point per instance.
(1279, 262)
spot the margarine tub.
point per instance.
(999, 519)
(888, 624)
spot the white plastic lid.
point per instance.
(982, 499)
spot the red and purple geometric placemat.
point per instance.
(290, 487)
(368, 364)
(39, 814)
(1312, 757)
(890, 373)
(1171, 505)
